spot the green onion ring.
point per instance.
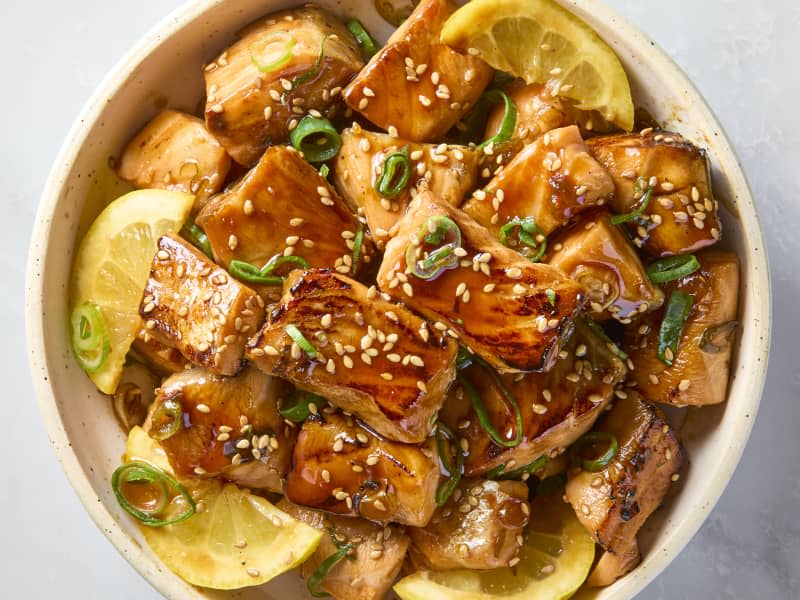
(324, 170)
(445, 437)
(483, 415)
(299, 339)
(389, 184)
(598, 330)
(526, 230)
(89, 335)
(476, 120)
(281, 60)
(298, 410)
(166, 420)
(602, 461)
(316, 126)
(675, 315)
(197, 237)
(635, 213)
(137, 471)
(433, 232)
(672, 268)
(244, 271)
(358, 244)
(316, 578)
(364, 39)
(313, 71)
(551, 296)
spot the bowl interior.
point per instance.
(165, 69)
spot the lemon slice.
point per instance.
(235, 539)
(112, 265)
(554, 562)
(540, 41)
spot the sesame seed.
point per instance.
(684, 385)
(387, 376)
(424, 100)
(363, 103)
(338, 445)
(253, 572)
(372, 460)
(675, 477)
(368, 92)
(514, 273)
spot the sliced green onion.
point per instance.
(90, 341)
(718, 338)
(244, 271)
(141, 473)
(358, 244)
(476, 121)
(464, 358)
(364, 39)
(249, 273)
(447, 443)
(277, 58)
(197, 238)
(598, 330)
(434, 232)
(391, 182)
(166, 420)
(528, 235)
(531, 467)
(635, 213)
(324, 170)
(551, 296)
(313, 71)
(317, 577)
(496, 472)
(669, 336)
(316, 138)
(299, 408)
(483, 414)
(301, 341)
(672, 268)
(601, 462)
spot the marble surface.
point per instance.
(743, 57)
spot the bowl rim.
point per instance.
(177, 19)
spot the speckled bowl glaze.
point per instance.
(165, 68)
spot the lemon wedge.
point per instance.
(542, 42)
(554, 562)
(235, 539)
(111, 269)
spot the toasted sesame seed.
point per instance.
(514, 273)
(372, 460)
(387, 376)
(675, 477)
(253, 572)
(424, 100)
(338, 445)
(363, 103)
(684, 385)
(368, 92)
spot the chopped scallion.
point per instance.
(273, 52)
(358, 243)
(316, 138)
(635, 213)
(90, 341)
(669, 336)
(317, 577)
(395, 174)
(483, 414)
(529, 240)
(154, 485)
(594, 438)
(301, 340)
(197, 237)
(299, 408)
(364, 39)
(673, 268)
(313, 71)
(166, 420)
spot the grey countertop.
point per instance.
(744, 58)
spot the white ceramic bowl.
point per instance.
(166, 67)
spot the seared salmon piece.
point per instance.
(504, 307)
(210, 425)
(372, 358)
(479, 527)
(374, 562)
(556, 408)
(284, 207)
(614, 503)
(449, 171)
(194, 306)
(162, 359)
(174, 151)
(342, 467)
(700, 367)
(600, 258)
(415, 85)
(282, 67)
(551, 180)
(682, 214)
